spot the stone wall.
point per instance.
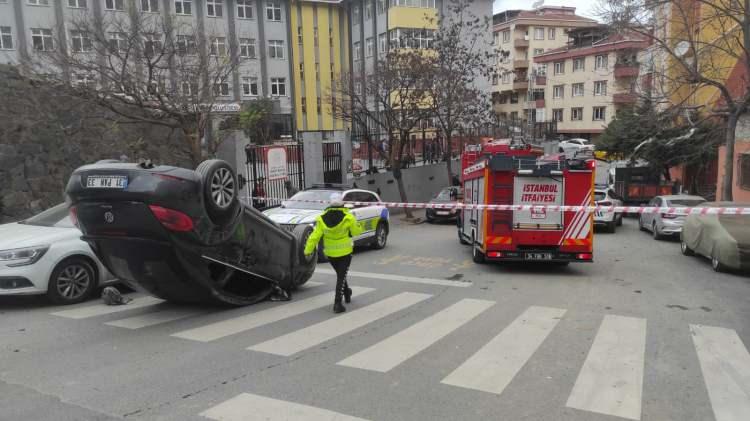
(45, 135)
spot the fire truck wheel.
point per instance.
(476, 254)
(612, 227)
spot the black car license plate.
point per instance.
(538, 256)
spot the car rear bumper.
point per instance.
(528, 256)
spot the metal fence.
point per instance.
(260, 186)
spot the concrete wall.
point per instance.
(422, 183)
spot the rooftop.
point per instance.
(544, 13)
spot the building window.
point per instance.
(557, 114)
(83, 80)
(368, 10)
(599, 113)
(414, 3)
(80, 41)
(250, 86)
(152, 45)
(538, 51)
(600, 87)
(150, 6)
(369, 47)
(247, 47)
(221, 89)
(303, 106)
(278, 86)
(114, 5)
(514, 115)
(601, 62)
(358, 88)
(77, 4)
(357, 51)
(558, 91)
(412, 38)
(559, 67)
(218, 46)
(551, 33)
(38, 2)
(506, 36)
(183, 7)
(333, 71)
(494, 80)
(319, 105)
(577, 89)
(538, 33)
(302, 71)
(214, 8)
(355, 14)
(189, 88)
(506, 78)
(276, 49)
(41, 39)
(541, 69)
(514, 98)
(299, 35)
(382, 44)
(245, 9)
(579, 64)
(317, 71)
(743, 166)
(6, 38)
(186, 45)
(381, 6)
(330, 37)
(273, 11)
(576, 114)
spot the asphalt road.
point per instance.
(642, 333)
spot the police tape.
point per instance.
(536, 208)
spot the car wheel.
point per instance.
(612, 227)
(219, 190)
(716, 265)
(306, 264)
(381, 237)
(619, 220)
(476, 254)
(687, 251)
(640, 224)
(655, 232)
(72, 281)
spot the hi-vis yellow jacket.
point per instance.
(337, 239)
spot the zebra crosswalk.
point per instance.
(610, 379)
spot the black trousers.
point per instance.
(341, 266)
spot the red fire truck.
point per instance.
(504, 173)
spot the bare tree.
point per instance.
(697, 45)
(145, 68)
(462, 58)
(394, 99)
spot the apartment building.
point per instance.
(519, 36)
(590, 79)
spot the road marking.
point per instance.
(398, 348)
(102, 309)
(249, 321)
(725, 363)
(611, 379)
(155, 318)
(311, 336)
(248, 407)
(389, 277)
(493, 367)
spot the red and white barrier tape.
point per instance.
(551, 208)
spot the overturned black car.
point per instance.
(183, 235)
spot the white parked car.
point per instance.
(303, 209)
(662, 225)
(45, 255)
(608, 219)
(576, 147)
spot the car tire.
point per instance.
(640, 224)
(687, 251)
(305, 264)
(381, 237)
(619, 220)
(655, 232)
(72, 281)
(220, 193)
(476, 254)
(716, 265)
(612, 227)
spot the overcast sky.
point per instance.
(583, 7)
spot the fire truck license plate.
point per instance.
(538, 256)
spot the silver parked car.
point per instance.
(662, 225)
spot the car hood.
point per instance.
(292, 216)
(15, 235)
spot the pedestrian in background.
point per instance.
(337, 227)
(290, 189)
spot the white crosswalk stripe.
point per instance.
(493, 367)
(399, 278)
(311, 336)
(398, 348)
(283, 310)
(103, 309)
(611, 379)
(248, 407)
(155, 318)
(725, 363)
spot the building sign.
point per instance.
(224, 107)
(276, 159)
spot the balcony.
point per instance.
(624, 98)
(541, 81)
(521, 43)
(522, 84)
(626, 70)
(539, 103)
(520, 64)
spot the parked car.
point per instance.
(302, 209)
(577, 146)
(183, 235)
(608, 219)
(44, 254)
(663, 225)
(448, 195)
(725, 239)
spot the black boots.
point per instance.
(338, 307)
(347, 292)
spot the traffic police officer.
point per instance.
(337, 226)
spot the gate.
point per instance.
(332, 162)
(264, 182)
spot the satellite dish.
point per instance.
(681, 48)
